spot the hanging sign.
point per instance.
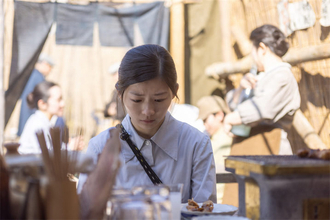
(301, 15)
(284, 18)
(325, 13)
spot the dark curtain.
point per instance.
(116, 25)
(75, 23)
(32, 23)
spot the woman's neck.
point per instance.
(47, 114)
(270, 61)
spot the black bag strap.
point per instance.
(151, 174)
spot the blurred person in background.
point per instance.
(114, 108)
(271, 99)
(187, 113)
(212, 110)
(275, 97)
(46, 98)
(41, 70)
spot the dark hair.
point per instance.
(272, 37)
(144, 63)
(40, 91)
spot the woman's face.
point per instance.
(55, 103)
(257, 55)
(213, 122)
(147, 103)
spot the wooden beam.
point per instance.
(307, 132)
(306, 54)
(217, 70)
(177, 44)
(242, 40)
(226, 45)
(294, 56)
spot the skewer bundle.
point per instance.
(61, 196)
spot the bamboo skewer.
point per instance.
(54, 133)
(62, 199)
(45, 155)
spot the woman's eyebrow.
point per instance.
(160, 93)
(138, 94)
(135, 93)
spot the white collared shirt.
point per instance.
(28, 140)
(178, 153)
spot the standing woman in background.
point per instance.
(47, 99)
(275, 96)
(270, 109)
(175, 151)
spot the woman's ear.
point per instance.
(42, 105)
(263, 47)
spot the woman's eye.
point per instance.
(159, 100)
(135, 100)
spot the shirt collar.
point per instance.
(165, 138)
(42, 116)
(278, 65)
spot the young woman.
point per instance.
(175, 151)
(47, 99)
(275, 94)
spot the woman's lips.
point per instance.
(147, 121)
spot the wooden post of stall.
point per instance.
(2, 93)
(226, 45)
(177, 37)
(307, 132)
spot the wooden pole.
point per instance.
(2, 93)
(217, 70)
(242, 40)
(226, 46)
(177, 37)
(294, 56)
(307, 132)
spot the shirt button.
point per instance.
(147, 142)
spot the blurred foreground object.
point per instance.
(97, 189)
(61, 196)
(317, 154)
(4, 190)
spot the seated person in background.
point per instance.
(41, 70)
(275, 96)
(212, 110)
(175, 151)
(187, 113)
(114, 108)
(47, 99)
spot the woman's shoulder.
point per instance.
(36, 122)
(97, 143)
(101, 137)
(187, 131)
(281, 75)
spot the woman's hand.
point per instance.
(231, 119)
(227, 128)
(248, 81)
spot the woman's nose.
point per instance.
(148, 109)
(62, 104)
